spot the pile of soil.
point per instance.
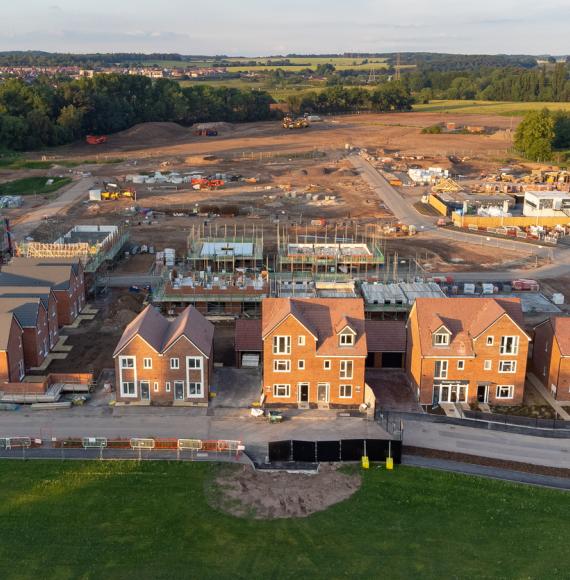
(218, 126)
(244, 492)
(122, 312)
(145, 133)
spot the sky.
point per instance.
(270, 27)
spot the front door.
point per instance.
(483, 394)
(145, 390)
(323, 393)
(179, 390)
(303, 392)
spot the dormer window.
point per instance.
(441, 338)
(346, 339)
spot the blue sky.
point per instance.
(262, 27)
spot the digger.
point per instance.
(299, 123)
(114, 192)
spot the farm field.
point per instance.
(119, 520)
(33, 185)
(487, 107)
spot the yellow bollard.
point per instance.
(365, 462)
(389, 463)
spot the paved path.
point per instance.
(487, 443)
(489, 472)
(70, 197)
(547, 396)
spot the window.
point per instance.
(460, 365)
(168, 387)
(505, 391)
(347, 339)
(301, 365)
(440, 371)
(327, 365)
(174, 363)
(301, 340)
(488, 365)
(441, 339)
(509, 345)
(128, 389)
(281, 345)
(156, 387)
(507, 366)
(345, 369)
(281, 390)
(147, 363)
(195, 390)
(345, 391)
(490, 340)
(194, 362)
(282, 366)
(127, 362)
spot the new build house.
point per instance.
(464, 350)
(551, 356)
(11, 349)
(314, 352)
(64, 276)
(165, 361)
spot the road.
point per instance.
(406, 213)
(25, 225)
(495, 444)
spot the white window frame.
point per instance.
(194, 359)
(301, 340)
(174, 364)
(342, 391)
(286, 344)
(156, 388)
(488, 365)
(344, 369)
(198, 362)
(278, 387)
(346, 339)
(178, 382)
(282, 362)
(124, 393)
(490, 341)
(461, 365)
(301, 364)
(514, 350)
(125, 359)
(200, 386)
(444, 364)
(441, 335)
(167, 386)
(21, 369)
(147, 363)
(512, 363)
(510, 392)
(327, 365)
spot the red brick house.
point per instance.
(314, 352)
(64, 276)
(464, 350)
(551, 356)
(12, 367)
(165, 362)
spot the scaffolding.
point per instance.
(225, 249)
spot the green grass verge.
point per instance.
(117, 520)
(31, 185)
(18, 162)
(505, 108)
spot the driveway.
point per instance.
(392, 389)
(235, 388)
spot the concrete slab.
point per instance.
(48, 360)
(235, 388)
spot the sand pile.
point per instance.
(262, 495)
(147, 133)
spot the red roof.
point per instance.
(386, 335)
(248, 336)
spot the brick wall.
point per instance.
(548, 364)
(11, 358)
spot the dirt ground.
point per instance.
(243, 492)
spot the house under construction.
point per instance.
(326, 254)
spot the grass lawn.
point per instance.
(19, 162)
(31, 185)
(505, 108)
(117, 520)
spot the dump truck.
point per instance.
(95, 139)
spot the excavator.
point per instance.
(299, 123)
(113, 192)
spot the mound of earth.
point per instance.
(217, 126)
(122, 312)
(245, 492)
(145, 133)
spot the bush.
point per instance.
(432, 130)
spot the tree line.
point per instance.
(44, 113)
(542, 135)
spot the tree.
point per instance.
(534, 136)
(561, 130)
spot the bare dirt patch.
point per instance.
(244, 492)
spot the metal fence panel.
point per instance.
(328, 450)
(351, 449)
(305, 451)
(280, 451)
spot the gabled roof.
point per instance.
(42, 292)
(24, 308)
(248, 335)
(7, 319)
(160, 334)
(465, 318)
(323, 318)
(34, 272)
(386, 335)
(561, 330)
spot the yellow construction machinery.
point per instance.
(113, 192)
(299, 123)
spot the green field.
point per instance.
(32, 185)
(487, 107)
(118, 520)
